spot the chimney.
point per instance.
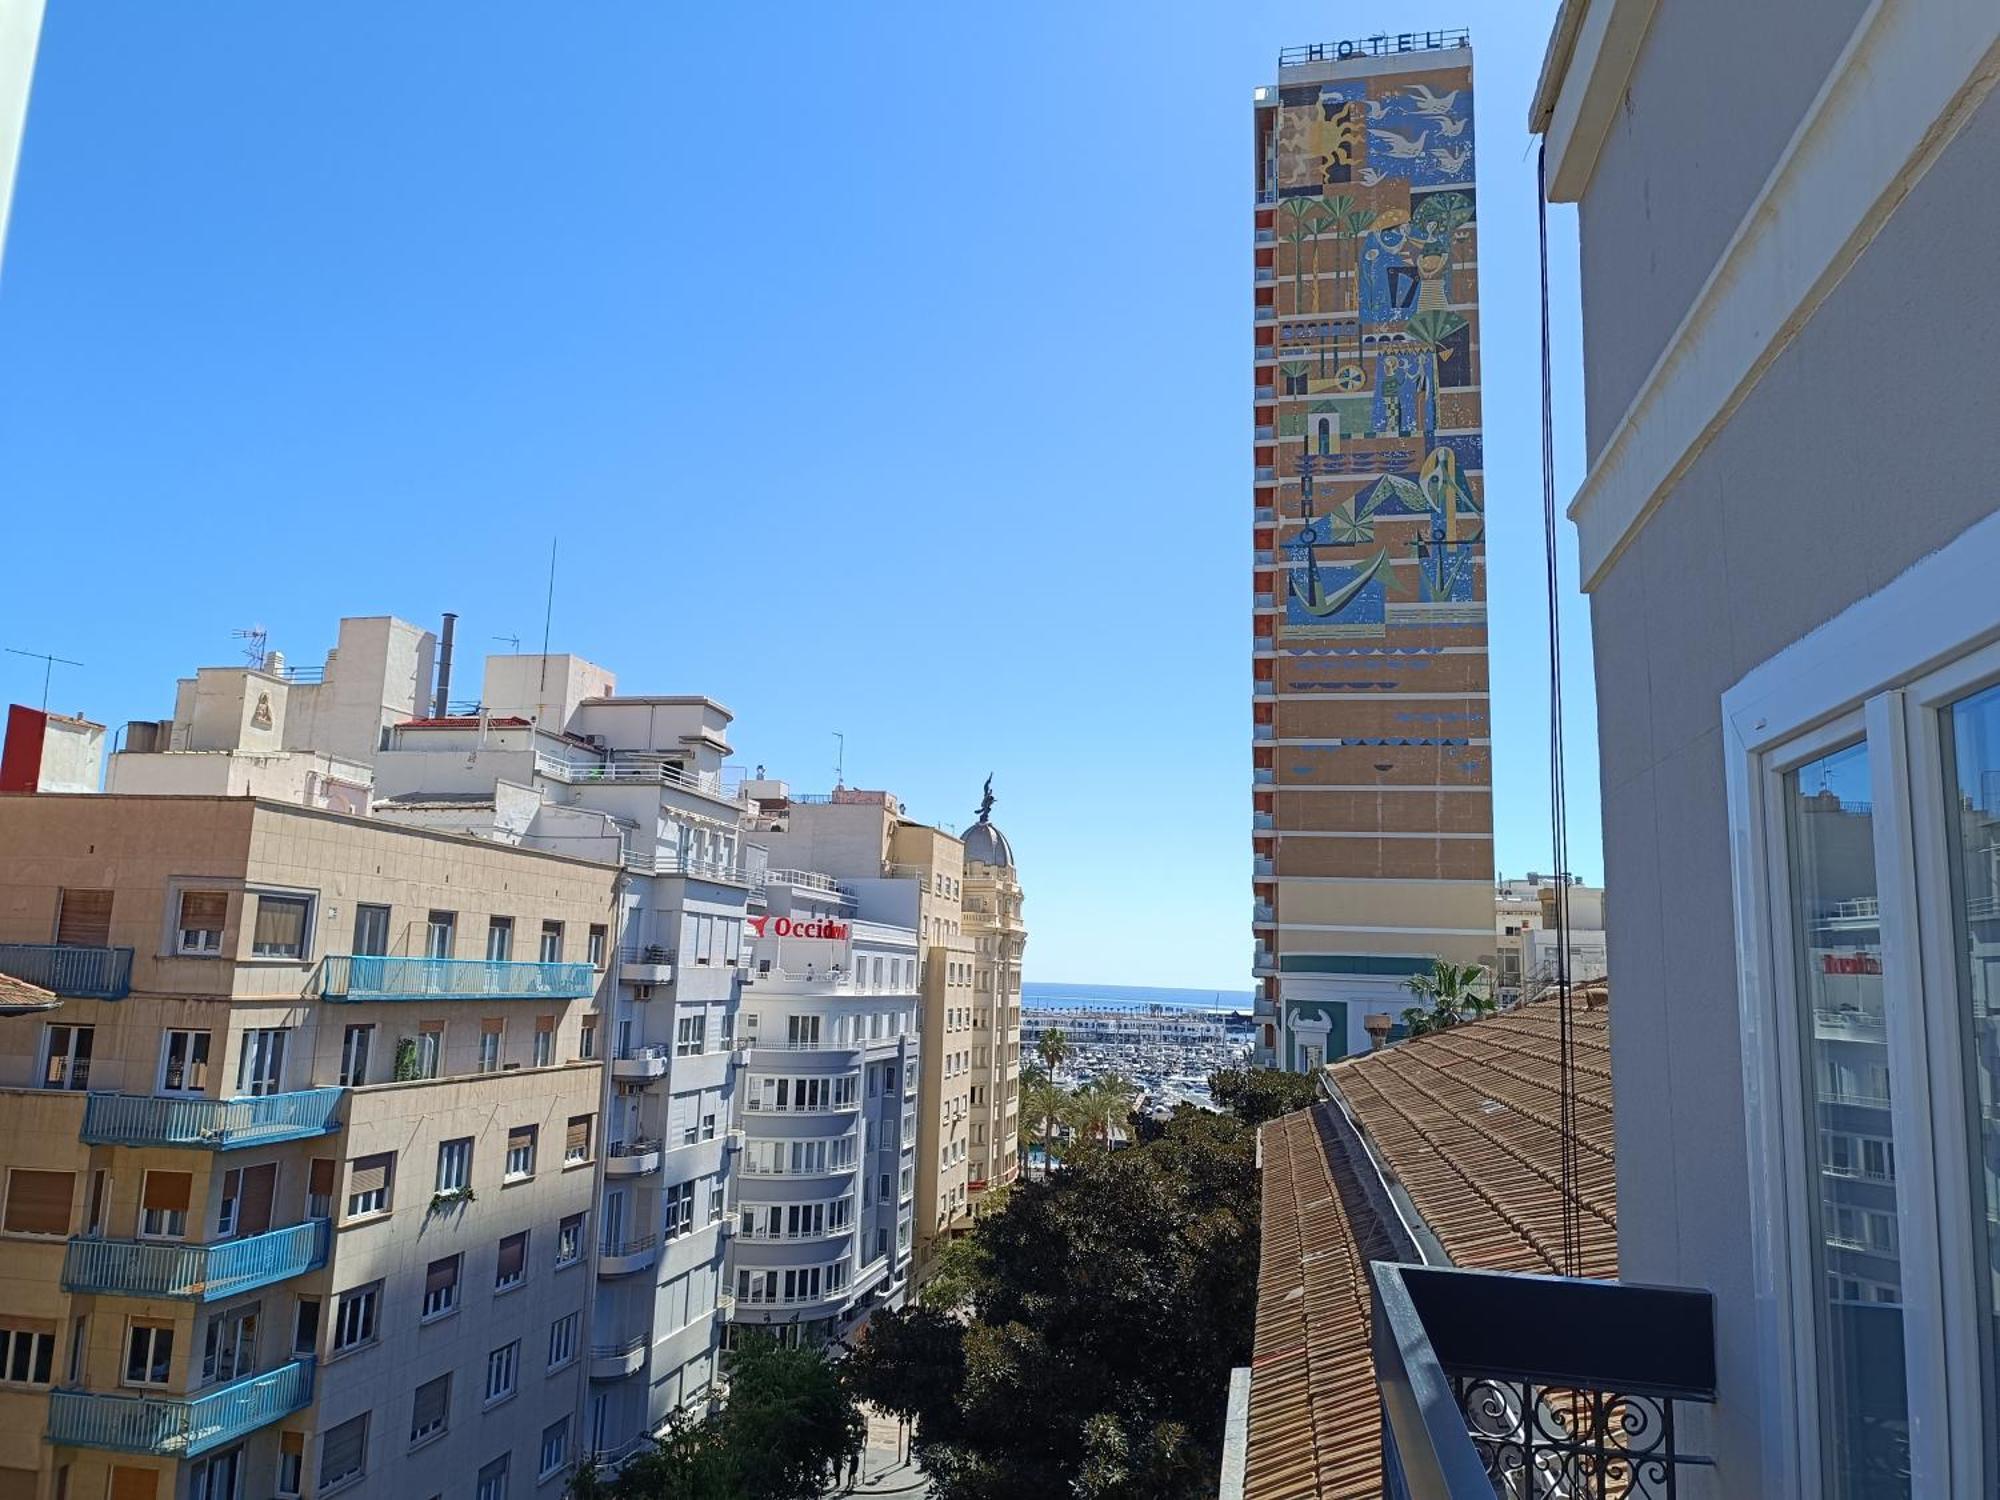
(443, 704)
(1378, 1029)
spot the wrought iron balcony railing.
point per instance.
(370, 977)
(193, 1273)
(1527, 1386)
(177, 1427)
(74, 972)
(210, 1124)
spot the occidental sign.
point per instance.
(786, 927)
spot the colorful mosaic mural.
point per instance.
(1377, 437)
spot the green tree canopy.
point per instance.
(1255, 1095)
(1091, 1353)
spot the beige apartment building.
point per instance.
(999, 936)
(301, 1169)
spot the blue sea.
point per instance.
(1130, 997)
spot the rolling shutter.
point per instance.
(168, 1192)
(320, 1184)
(260, 1185)
(513, 1257)
(84, 921)
(39, 1202)
(133, 1484)
(368, 1174)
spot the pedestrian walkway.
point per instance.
(885, 1467)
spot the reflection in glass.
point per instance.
(1972, 750)
(1864, 1404)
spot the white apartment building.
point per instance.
(826, 1195)
(1524, 935)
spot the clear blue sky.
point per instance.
(882, 369)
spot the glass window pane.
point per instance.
(1864, 1403)
(1972, 750)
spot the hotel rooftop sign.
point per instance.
(1382, 44)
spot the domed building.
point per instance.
(992, 919)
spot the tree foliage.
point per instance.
(1453, 992)
(1255, 1095)
(1090, 1352)
(788, 1422)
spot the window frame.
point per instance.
(307, 903)
(1884, 669)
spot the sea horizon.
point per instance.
(1064, 994)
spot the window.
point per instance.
(492, 1483)
(576, 1140)
(184, 1062)
(545, 1041)
(281, 926)
(586, 1038)
(521, 1152)
(512, 1267)
(354, 1317)
(163, 1205)
(38, 1202)
(260, 1066)
(305, 1327)
(291, 1462)
(555, 1446)
(503, 1370)
(598, 943)
(690, 1034)
(440, 934)
(500, 939)
(149, 1353)
(491, 1031)
(441, 1287)
(569, 1240)
(368, 1184)
(430, 1048)
(680, 1209)
(430, 1409)
(229, 1344)
(715, 1202)
(343, 1451)
(319, 1188)
(247, 1196)
(802, 1031)
(371, 931)
(552, 942)
(66, 1062)
(199, 927)
(562, 1340)
(354, 1044)
(454, 1171)
(27, 1354)
(708, 1126)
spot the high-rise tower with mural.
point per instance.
(1372, 819)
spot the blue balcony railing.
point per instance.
(171, 1427)
(368, 977)
(194, 1273)
(74, 972)
(212, 1124)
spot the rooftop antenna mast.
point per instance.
(840, 760)
(257, 638)
(512, 640)
(48, 668)
(548, 618)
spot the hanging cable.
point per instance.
(1572, 1204)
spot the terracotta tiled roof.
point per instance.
(18, 994)
(1466, 1120)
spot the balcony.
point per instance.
(1264, 515)
(193, 1273)
(1262, 868)
(1267, 273)
(358, 977)
(673, 862)
(171, 1427)
(1262, 601)
(641, 1064)
(1267, 314)
(1264, 433)
(633, 771)
(616, 1361)
(1266, 393)
(1262, 912)
(627, 1256)
(73, 972)
(1497, 1383)
(631, 1158)
(1261, 822)
(650, 964)
(1263, 688)
(1267, 236)
(1263, 776)
(1262, 732)
(1265, 474)
(210, 1124)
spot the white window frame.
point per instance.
(1882, 670)
(189, 1035)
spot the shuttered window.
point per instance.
(168, 1192)
(368, 1184)
(260, 1186)
(319, 1188)
(38, 1202)
(576, 1144)
(83, 919)
(441, 1287)
(513, 1266)
(203, 914)
(134, 1484)
(521, 1151)
(281, 927)
(343, 1452)
(431, 1408)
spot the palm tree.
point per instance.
(1053, 1049)
(1452, 990)
(1299, 215)
(1103, 1103)
(1355, 223)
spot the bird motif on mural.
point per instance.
(1427, 103)
(1401, 145)
(1370, 176)
(1378, 109)
(1451, 130)
(1453, 158)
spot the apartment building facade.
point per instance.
(305, 1166)
(1371, 767)
(992, 915)
(1798, 750)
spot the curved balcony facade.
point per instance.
(210, 1124)
(370, 977)
(175, 1427)
(194, 1273)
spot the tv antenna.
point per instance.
(48, 668)
(257, 637)
(840, 760)
(512, 640)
